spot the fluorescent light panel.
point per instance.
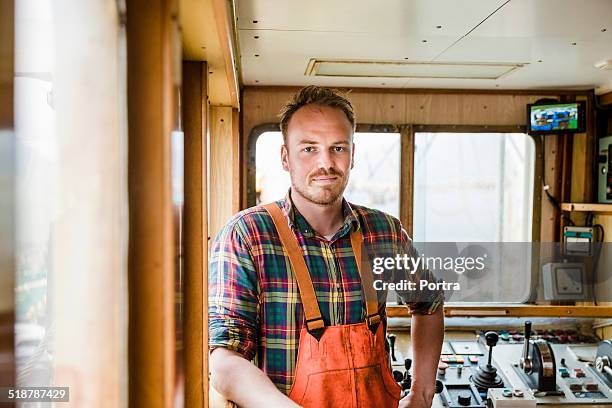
(408, 69)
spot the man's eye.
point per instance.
(339, 149)
(309, 149)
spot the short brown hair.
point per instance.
(315, 95)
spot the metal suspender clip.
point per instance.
(373, 322)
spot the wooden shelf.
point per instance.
(513, 311)
(601, 208)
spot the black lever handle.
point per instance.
(527, 330)
(407, 364)
(392, 339)
(525, 363)
(491, 338)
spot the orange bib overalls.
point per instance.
(345, 366)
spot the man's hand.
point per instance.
(416, 400)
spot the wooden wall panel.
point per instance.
(580, 175)
(224, 191)
(380, 108)
(583, 159)
(152, 36)
(605, 99)
(416, 107)
(552, 177)
(375, 106)
(604, 332)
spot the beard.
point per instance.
(321, 194)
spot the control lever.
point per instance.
(439, 387)
(486, 376)
(526, 364)
(392, 337)
(537, 366)
(603, 361)
(602, 364)
(398, 376)
(407, 381)
(491, 338)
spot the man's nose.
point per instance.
(325, 159)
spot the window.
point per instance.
(374, 181)
(473, 195)
(473, 187)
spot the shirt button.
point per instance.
(337, 286)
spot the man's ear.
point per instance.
(352, 155)
(284, 158)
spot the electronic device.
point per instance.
(578, 240)
(560, 117)
(514, 368)
(565, 281)
(604, 187)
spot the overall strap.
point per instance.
(314, 320)
(367, 282)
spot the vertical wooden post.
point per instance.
(152, 37)
(407, 178)
(236, 162)
(7, 189)
(195, 122)
(7, 36)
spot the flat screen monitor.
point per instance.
(552, 118)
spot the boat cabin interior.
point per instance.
(132, 131)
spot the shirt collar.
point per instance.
(298, 222)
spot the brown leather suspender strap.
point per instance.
(314, 320)
(367, 281)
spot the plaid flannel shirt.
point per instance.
(254, 302)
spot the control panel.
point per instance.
(519, 368)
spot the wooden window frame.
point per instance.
(537, 196)
(7, 191)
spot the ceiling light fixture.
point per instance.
(409, 69)
(604, 64)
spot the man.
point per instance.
(290, 287)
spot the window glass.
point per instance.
(37, 191)
(473, 196)
(374, 181)
(473, 187)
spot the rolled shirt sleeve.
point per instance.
(419, 301)
(233, 295)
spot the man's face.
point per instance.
(318, 153)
